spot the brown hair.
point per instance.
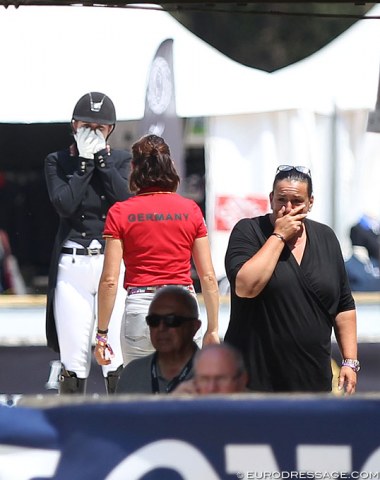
(152, 165)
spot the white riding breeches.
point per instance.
(75, 310)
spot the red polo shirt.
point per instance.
(158, 232)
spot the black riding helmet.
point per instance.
(95, 107)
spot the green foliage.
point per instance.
(272, 35)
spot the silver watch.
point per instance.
(349, 362)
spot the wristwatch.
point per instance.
(349, 362)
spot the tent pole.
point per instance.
(334, 166)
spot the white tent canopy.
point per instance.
(344, 74)
(52, 55)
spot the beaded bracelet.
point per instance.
(101, 340)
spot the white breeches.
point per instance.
(75, 310)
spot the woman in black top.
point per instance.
(289, 288)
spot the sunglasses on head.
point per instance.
(289, 168)
(171, 320)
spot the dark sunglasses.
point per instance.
(170, 321)
(289, 168)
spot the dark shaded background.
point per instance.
(25, 370)
(269, 35)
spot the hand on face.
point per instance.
(289, 224)
(89, 141)
(101, 141)
(290, 203)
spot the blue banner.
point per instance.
(251, 437)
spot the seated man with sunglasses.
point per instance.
(173, 321)
(289, 289)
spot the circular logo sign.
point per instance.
(160, 86)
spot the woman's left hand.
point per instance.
(347, 380)
(209, 338)
(103, 354)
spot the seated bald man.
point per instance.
(173, 321)
(218, 368)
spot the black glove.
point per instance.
(85, 165)
(101, 157)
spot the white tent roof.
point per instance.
(53, 55)
(344, 74)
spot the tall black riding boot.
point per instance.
(111, 380)
(69, 383)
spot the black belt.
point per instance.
(82, 251)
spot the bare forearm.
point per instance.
(109, 280)
(106, 301)
(210, 292)
(209, 284)
(257, 271)
(345, 333)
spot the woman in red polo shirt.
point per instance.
(156, 233)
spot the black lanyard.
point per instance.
(174, 381)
